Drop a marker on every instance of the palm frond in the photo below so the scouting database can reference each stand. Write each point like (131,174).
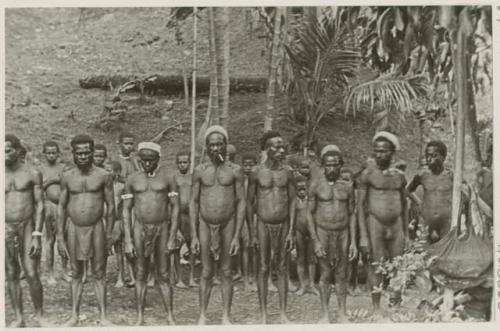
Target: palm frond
(389,91)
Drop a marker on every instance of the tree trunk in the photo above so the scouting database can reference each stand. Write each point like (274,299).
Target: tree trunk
(193,109)
(186,80)
(273,68)
(221,28)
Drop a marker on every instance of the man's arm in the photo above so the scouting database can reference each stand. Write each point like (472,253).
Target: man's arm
(412,187)
(251,193)
(351,204)
(311,208)
(362,192)
(109,200)
(240,201)
(173,196)
(194,204)
(61,217)
(38,199)
(291,202)
(128,203)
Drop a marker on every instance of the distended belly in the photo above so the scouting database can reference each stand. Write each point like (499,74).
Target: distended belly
(86,208)
(385,206)
(217,204)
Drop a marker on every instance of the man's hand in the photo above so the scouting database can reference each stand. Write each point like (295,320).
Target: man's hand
(36,246)
(62,248)
(353,252)
(319,250)
(195,245)
(364,248)
(235,247)
(290,242)
(170,245)
(129,250)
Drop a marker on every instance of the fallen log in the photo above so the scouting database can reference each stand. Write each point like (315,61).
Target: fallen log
(174,84)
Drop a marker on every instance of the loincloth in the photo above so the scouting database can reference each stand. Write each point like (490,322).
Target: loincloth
(14,238)
(245,235)
(83,239)
(215,239)
(335,244)
(275,232)
(149,234)
(387,232)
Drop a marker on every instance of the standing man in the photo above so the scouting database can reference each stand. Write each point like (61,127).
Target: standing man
(24,213)
(332,224)
(382,212)
(272,187)
(150,192)
(437,182)
(217,197)
(183,180)
(52,170)
(86,191)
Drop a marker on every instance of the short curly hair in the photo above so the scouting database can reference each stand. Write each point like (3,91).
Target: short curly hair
(265,138)
(440,146)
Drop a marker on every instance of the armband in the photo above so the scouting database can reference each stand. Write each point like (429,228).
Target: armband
(36,234)
(127,196)
(172,194)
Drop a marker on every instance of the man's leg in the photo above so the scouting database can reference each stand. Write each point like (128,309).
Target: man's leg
(117,236)
(325,288)
(76,277)
(263,271)
(227,235)
(32,271)
(50,240)
(12,273)
(141,264)
(98,264)
(377,252)
(207,271)
(311,264)
(395,247)
(341,274)
(282,270)
(163,272)
(186,232)
(301,261)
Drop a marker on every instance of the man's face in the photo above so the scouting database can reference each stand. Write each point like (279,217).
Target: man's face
(11,154)
(99,157)
(311,154)
(149,160)
(332,166)
(347,176)
(304,169)
(83,155)
(247,166)
(51,154)
(127,146)
(276,149)
(301,189)
(433,158)
(183,163)
(216,147)
(382,151)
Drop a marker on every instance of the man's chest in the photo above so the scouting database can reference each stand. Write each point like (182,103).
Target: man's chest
(21,181)
(82,184)
(220,176)
(154,184)
(272,178)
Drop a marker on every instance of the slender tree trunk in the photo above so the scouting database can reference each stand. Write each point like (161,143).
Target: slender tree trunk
(273,68)
(193,109)
(185,78)
(221,28)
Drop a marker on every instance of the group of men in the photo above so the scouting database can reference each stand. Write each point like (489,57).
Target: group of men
(223,210)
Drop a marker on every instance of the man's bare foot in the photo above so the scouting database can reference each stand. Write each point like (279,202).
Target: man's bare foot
(284,319)
(237,277)
(131,283)
(192,283)
(105,322)
(119,283)
(180,284)
(312,289)
(151,282)
(252,287)
(67,276)
(292,287)
(171,320)
(226,320)
(216,281)
(17,324)
(73,321)
(301,291)
(202,320)
(324,320)
(272,288)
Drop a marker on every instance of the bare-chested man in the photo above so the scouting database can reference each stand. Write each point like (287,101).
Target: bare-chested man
(183,179)
(52,170)
(272,186)
(150,192)
(437,182)
(382,212)
(24,213)
(217,196)
(86,191)
(332,223)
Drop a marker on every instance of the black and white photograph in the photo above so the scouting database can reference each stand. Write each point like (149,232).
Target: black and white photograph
(182,165)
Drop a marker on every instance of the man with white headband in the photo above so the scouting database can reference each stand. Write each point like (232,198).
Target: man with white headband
(332,225)
(151,192)
(271,188)
(382,212)
(217,197)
